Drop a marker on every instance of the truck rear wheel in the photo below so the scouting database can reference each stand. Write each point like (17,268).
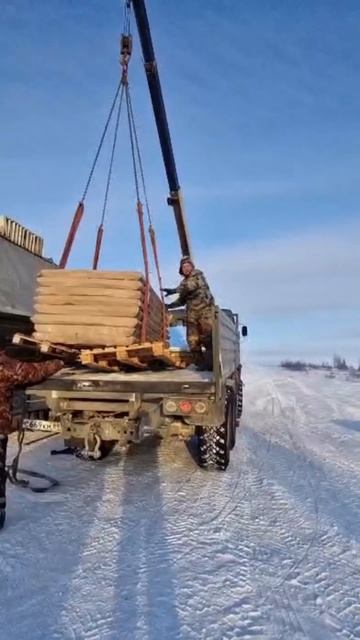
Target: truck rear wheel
(216,442)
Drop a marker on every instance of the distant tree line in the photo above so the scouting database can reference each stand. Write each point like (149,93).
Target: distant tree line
(339,364)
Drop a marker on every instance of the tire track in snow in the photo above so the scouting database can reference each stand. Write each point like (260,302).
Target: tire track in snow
(333,619)
(176,552)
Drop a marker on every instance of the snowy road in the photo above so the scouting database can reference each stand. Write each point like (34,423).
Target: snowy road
(151,548)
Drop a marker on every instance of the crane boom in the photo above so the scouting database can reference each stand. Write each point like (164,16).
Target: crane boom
(175,198)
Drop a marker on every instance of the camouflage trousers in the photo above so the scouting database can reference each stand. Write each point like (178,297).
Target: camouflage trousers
(3,450)
(199,324)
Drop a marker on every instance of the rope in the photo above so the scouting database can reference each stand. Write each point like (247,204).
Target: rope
(158,273)
(140,212)
(137,169)
(112,155)
(127,15)
(145,322)
(141,169)
(80,209)
(132,142)
(151,228)
(100,231)
(101,143)
(13,469)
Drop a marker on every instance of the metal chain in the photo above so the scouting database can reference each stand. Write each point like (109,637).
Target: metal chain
(112,156)
(136,147)
(132,142)
(101,142)
(127,15)
(138,153)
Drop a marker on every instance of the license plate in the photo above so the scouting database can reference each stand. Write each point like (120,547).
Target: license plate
(42,425)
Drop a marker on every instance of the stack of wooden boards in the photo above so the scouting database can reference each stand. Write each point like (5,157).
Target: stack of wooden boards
(83,308)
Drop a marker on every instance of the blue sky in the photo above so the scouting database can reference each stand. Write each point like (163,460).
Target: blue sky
(263,102)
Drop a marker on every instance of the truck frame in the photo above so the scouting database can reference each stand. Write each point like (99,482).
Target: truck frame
(96,410)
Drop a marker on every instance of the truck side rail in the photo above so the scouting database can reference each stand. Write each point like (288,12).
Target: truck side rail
(226,348)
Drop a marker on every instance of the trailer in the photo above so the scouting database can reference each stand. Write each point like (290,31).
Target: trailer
(21,259)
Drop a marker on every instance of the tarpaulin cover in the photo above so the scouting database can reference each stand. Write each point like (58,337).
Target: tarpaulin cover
(18,271)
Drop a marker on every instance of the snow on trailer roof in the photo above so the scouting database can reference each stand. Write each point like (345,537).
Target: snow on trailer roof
(183,375)
(21,236)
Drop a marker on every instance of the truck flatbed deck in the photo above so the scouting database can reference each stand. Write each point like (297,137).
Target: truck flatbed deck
(170,381)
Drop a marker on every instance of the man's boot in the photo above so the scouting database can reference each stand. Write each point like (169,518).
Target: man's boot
(3,449)
(208,360)
(197,357)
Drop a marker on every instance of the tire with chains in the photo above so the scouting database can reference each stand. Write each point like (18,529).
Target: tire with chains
(214,444)
(239,398)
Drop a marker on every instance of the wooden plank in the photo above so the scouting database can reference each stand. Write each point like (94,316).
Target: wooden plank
(116,355)
(181,358)
(103,357)
(21,339)
(114,317)
(123,358)
(90,285)
(112,310)
(87,274)
(86,336)
(133,298)
(89,320)
(73,294)
(141,351)
(57,349)
(100,351)
(161,352)
(43,346)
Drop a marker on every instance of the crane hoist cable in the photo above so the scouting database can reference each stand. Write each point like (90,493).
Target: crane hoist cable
(78,215)
(100,231)
(139,178)
(136,148)
(126,50)
(80,208)
(140,213)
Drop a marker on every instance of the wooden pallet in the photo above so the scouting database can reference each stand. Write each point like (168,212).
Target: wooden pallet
(180,357)
(106,357)
(137,356)
(56,350)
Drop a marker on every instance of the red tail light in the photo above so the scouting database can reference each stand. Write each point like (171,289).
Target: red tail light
(185,406)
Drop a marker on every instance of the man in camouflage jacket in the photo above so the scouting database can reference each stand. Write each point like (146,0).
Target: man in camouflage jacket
(15,373)
(194,293)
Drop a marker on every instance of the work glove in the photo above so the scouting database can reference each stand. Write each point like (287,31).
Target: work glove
(168,292)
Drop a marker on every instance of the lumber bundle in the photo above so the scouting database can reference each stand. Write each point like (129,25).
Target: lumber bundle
(95,308)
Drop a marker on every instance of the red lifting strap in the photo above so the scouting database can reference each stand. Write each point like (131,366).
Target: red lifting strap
(157,266)
(145,322)
(99,237)
(71,235)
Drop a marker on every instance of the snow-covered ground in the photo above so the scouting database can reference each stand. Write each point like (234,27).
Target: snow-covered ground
(150,547)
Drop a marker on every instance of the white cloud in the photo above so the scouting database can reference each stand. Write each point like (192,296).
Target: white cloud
(308,271)
(242,189)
